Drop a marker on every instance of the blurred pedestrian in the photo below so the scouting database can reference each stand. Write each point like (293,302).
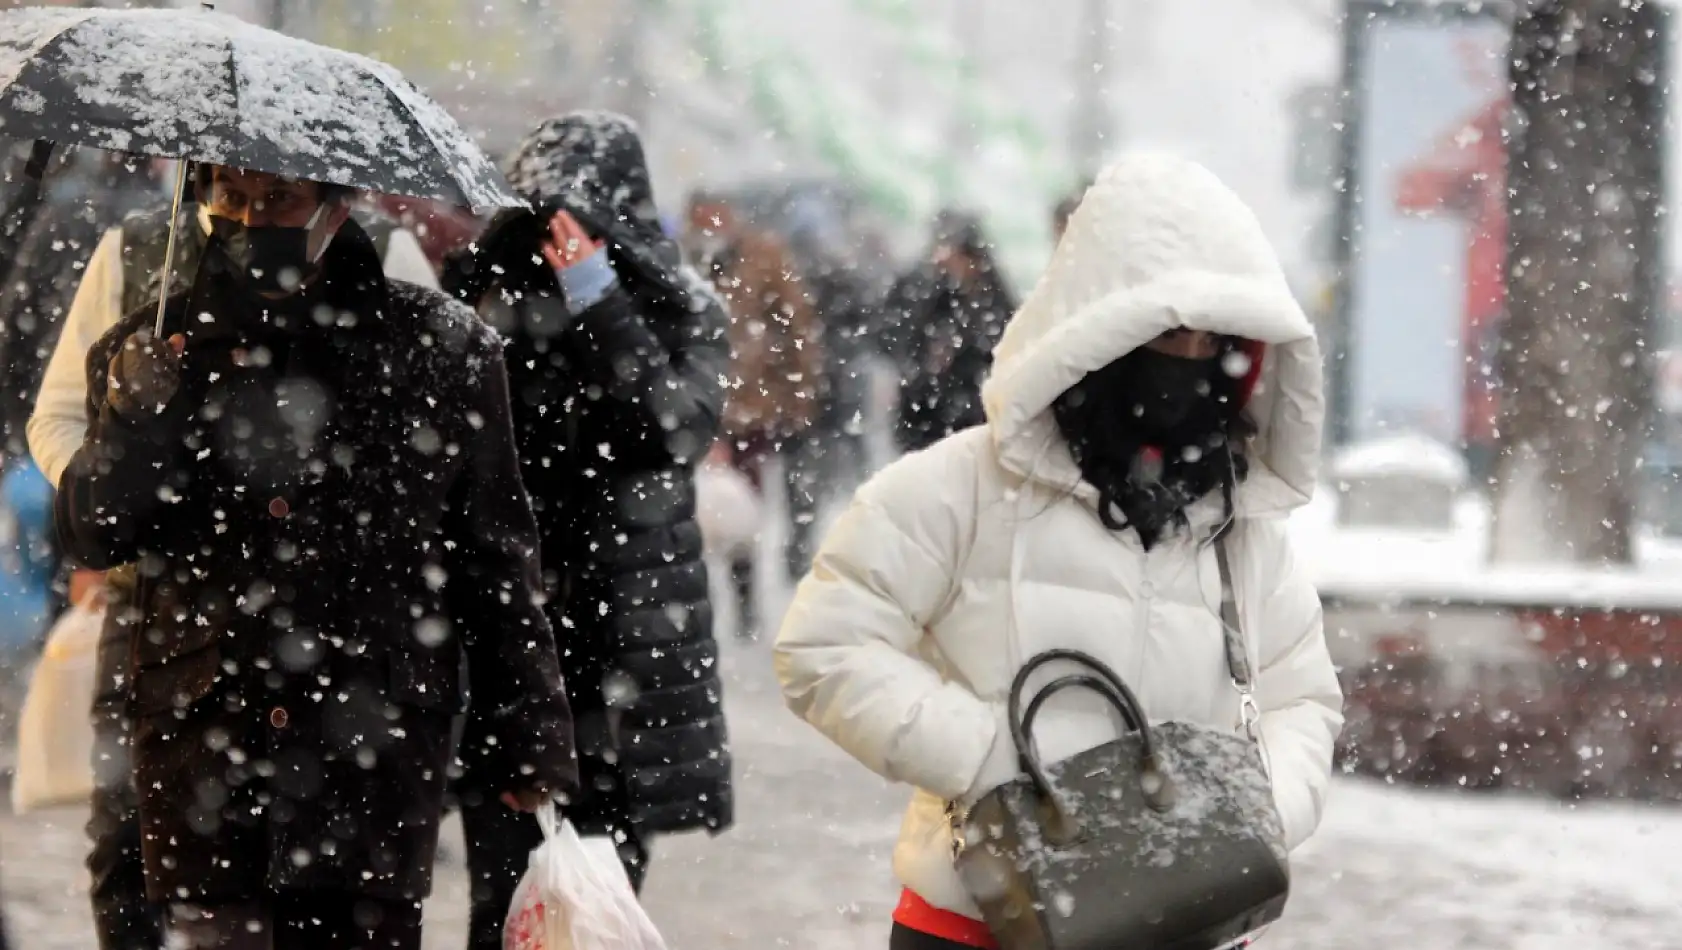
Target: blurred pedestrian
(123,275)
(942,321)
(844,307)
(315,569)
(616,353)
(776,374)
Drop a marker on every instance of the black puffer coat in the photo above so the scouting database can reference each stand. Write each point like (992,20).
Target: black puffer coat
(319,547)
(614,409)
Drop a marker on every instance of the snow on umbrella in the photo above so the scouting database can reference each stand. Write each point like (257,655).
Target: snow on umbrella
(212,88)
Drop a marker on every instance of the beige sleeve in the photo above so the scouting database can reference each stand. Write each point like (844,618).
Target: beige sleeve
(60,420)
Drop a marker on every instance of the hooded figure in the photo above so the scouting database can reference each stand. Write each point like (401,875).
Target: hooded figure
(615,363)
(1160,387)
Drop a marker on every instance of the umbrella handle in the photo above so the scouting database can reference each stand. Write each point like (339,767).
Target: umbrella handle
(169,247)
(39,154)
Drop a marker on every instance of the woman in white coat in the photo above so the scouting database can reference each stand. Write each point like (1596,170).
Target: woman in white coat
(1159,386)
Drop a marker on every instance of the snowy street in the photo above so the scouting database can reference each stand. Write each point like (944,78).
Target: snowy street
(807,864)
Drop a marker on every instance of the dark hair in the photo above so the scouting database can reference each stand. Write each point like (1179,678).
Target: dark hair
(1065,210)
(204,175)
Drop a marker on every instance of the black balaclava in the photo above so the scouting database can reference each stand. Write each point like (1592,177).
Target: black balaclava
(1155,433)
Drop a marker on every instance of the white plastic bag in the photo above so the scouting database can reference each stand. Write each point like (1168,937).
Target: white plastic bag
(576,896)
(728,508)
(55,731)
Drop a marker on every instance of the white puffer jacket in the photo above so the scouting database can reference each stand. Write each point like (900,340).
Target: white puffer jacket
(956,564)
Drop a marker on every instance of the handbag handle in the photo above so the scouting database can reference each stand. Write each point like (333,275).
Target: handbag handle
(1153,779)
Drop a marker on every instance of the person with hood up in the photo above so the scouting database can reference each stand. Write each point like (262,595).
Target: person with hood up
(1157,395)
(313,470)
(944,319)
(617,353)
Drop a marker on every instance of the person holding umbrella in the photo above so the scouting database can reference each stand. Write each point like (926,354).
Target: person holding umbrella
(313,469)
(120,277)
(297,670)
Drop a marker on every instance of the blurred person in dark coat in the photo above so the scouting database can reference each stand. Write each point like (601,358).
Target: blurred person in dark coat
(942,322)
(843,304)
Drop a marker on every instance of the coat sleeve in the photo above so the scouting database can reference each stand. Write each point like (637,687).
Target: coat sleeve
(60,420)
(117,483)
(847,653)
(1297,688)
(676,392)
(521,735)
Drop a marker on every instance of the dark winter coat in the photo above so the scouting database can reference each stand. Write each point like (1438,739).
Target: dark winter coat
(614,408)
(80,205)
(845,310)
(941,333)
(318,549)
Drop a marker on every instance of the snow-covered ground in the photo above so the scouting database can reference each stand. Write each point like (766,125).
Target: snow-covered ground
(807,865)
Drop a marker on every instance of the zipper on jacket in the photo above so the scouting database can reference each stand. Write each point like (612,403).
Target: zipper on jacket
(1142,613)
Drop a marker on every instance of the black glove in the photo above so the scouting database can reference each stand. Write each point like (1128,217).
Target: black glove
(143,380)
(511,229)
(505,247)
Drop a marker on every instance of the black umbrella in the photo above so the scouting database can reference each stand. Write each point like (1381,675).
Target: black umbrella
(213,88)
(207,87)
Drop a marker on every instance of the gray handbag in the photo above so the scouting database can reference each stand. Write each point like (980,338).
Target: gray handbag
(1163,839)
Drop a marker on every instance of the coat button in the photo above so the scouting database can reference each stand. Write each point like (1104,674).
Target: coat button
(278,507)
(278,717)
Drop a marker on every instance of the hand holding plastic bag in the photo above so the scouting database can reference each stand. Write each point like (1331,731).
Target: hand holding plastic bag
(576,897)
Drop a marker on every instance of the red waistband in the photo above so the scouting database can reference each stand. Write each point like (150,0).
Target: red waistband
(917,914)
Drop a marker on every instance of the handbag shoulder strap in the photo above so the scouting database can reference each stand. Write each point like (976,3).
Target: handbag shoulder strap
(1237,657)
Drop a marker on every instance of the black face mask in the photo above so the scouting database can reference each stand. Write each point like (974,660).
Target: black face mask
(1162,398)
(266,260)
(1178,415)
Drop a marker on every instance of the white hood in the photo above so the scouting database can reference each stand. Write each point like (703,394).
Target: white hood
(1158,243)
